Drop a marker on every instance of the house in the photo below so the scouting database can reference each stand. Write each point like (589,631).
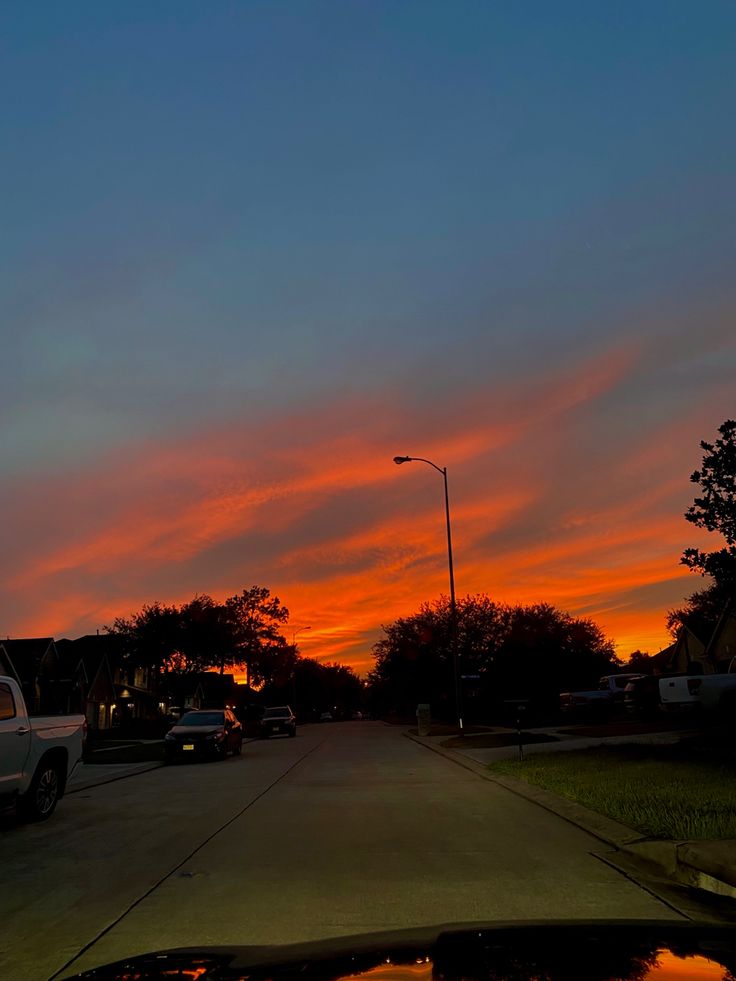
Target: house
(689,655)
(34,663)
(685,656)
(721,649)
(87,661)
(202,689)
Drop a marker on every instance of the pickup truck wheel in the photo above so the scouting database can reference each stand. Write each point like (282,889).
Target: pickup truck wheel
(41,798)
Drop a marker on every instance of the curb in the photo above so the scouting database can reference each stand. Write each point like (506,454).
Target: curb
(112,778)
(682,861)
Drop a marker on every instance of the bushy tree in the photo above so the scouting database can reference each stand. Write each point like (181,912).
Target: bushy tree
(205,635)
(715,508)
(701,611)
(206,638)
(508,652)
(150,637)
(314,687)
(638,662)
(256,617)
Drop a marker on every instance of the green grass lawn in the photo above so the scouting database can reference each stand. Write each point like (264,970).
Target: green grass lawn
(685,792)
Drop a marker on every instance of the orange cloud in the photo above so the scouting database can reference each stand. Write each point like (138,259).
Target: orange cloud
(157,513)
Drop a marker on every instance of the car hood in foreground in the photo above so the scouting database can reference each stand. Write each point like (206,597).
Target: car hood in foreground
(557,951)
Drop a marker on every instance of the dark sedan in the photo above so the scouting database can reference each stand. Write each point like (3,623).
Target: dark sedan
(208,733)
(278,720)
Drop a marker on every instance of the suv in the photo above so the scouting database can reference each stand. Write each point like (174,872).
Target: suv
(279,719)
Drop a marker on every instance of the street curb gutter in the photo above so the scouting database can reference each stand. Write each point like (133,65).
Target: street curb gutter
(688,863)
(113,778)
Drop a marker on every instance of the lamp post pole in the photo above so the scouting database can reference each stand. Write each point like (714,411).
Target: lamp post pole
(453,605)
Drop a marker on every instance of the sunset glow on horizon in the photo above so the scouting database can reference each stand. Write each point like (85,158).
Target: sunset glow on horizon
(320,515)
(252,254)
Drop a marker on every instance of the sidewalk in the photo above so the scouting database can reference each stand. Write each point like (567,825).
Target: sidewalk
(88,775)
(565,741)
(707,865)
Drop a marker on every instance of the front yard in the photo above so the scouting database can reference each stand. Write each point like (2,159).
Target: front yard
(685,792)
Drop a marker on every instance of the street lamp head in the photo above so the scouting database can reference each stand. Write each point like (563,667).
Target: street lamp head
(401,459)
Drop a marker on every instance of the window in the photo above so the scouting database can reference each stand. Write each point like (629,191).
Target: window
(7,705)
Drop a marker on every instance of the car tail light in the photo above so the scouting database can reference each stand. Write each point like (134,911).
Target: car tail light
(693,685)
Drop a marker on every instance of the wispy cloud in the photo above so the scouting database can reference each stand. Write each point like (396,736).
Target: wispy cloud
(346,540)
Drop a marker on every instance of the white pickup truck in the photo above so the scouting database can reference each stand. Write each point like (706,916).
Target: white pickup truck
(37,755)
(699,693)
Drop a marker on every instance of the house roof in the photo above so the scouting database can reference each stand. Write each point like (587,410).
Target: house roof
(90,649)
(26,655)
(722,634)
(663,658)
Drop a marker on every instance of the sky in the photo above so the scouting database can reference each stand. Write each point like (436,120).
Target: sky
(252,251)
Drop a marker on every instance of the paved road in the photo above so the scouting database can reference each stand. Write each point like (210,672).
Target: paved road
(349,828)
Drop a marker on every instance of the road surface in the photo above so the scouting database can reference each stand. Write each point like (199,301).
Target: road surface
(349,828)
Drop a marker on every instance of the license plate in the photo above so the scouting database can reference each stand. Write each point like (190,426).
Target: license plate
(188,746)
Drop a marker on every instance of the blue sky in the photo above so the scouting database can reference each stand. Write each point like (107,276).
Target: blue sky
(240,213)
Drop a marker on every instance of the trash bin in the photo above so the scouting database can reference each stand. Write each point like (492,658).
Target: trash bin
(423,719)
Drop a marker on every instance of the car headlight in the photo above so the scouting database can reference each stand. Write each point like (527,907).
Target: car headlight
(216,735)
(171,739)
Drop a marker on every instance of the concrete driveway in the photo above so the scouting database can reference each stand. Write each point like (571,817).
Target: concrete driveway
(349,828)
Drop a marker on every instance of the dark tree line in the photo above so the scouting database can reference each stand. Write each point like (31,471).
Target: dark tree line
(203,635)
(537,651)
(506,652)
(714,509)
(242,633)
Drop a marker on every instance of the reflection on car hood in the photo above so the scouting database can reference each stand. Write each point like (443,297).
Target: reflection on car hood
(555,951)
(185,731)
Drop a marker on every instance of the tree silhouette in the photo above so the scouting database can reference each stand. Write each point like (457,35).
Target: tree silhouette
(701,611)
(255,617)
(150,637)
(508,652)
(715,508)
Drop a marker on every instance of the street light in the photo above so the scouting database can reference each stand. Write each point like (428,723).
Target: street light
(293,672)
(297,631)
(398,460)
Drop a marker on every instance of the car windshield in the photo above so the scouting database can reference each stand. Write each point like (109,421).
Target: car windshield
(368,369)
(202,719)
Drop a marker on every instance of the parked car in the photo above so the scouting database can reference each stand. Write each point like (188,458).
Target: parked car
(204,733)
(37,754)
(357,716)
(599,702)
(278,720)
(326,717)
(641,697)
(711,695)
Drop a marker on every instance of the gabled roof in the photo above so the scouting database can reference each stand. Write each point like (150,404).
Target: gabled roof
(722,643)
(26,656)
(661,660)
(686,648)
(91,650)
